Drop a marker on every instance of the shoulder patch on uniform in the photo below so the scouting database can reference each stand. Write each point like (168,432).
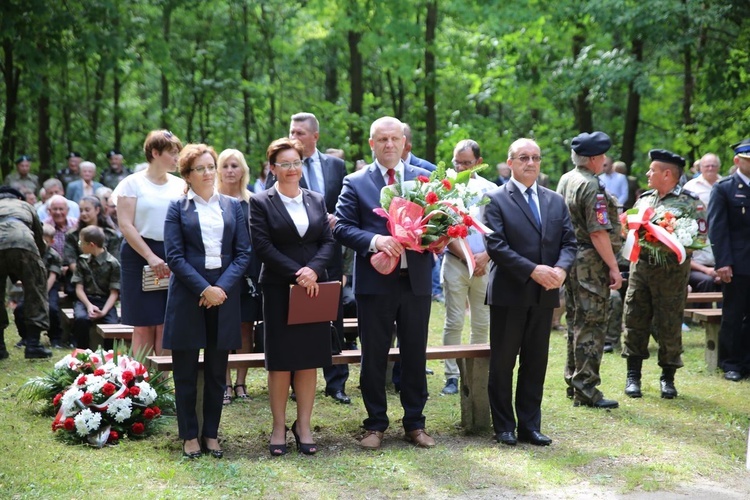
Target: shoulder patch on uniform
(601,210)
(691,194)
(650,191)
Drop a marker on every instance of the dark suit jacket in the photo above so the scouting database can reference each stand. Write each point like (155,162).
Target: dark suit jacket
(517,245)
(729,224)
(334,171)
(184,324)
(357,224)
(279,246)
(419,162)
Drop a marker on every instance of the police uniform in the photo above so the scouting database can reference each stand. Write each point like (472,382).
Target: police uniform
(657,291)
(587,290)
(21,247)
(98,275)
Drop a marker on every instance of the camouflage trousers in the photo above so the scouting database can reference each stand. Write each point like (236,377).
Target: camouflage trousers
(29,268)
(614,319)
(656,296)
(587,325)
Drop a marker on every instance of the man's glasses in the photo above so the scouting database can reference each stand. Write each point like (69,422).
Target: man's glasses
(469,163)
(289,164)
(527,159)
(209,168)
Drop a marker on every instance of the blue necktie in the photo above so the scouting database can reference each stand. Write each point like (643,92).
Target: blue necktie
(312,182)
(532,206)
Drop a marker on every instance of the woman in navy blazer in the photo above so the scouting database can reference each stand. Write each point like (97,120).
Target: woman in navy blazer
(207,246)
(292,237)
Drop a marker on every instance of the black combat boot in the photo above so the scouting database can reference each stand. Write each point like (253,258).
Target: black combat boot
(633,380)
(34,349)
(3,351)
(668,390)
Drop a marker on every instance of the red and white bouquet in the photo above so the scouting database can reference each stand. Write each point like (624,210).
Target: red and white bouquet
(662,231)
(426,213)
(101,397)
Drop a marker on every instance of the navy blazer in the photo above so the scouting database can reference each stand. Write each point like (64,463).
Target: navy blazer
(357,224)
(184,323)
(277,243)
(74,191)
(419,162)
(729,224)
(517,245)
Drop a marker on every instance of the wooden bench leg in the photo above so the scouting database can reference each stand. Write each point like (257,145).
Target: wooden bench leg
(712,346)
(475,402)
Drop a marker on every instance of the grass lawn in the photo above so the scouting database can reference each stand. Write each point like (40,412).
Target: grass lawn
(694,445)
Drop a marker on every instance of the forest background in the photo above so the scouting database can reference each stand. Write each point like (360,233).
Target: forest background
(92,75)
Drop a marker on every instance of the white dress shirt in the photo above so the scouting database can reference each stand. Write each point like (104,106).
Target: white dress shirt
(296,210)
(212,226)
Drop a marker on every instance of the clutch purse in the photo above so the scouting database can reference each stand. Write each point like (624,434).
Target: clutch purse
(151,282)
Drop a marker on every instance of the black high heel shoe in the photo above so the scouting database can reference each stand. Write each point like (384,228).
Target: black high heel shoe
(213,452)
(304,448)
(277,450)
(191,455)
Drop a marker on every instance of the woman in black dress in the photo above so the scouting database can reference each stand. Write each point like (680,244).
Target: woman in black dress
(291,236)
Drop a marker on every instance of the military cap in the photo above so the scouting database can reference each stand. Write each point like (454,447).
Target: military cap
(665,156)
(742,149)
(74,154)
(593,144)
(11,191)
(23,158)
(113,152)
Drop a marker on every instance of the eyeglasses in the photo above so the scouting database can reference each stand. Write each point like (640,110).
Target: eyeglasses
(290,164)
(527,159)
(209,168)
(469,163)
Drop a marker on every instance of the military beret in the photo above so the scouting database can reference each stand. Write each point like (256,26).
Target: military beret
(7,190)
(742,148)
(113,152)
(665,156)
(74,154)
(23,158)
(593,144)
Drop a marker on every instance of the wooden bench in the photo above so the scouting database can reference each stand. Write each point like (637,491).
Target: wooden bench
(473,361)
(711,320)
(704,297)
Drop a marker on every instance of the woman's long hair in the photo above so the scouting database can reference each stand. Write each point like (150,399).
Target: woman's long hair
(101,217)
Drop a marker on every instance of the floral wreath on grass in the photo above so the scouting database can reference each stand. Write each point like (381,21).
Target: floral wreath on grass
(662,231)
(426,213)
(101,397)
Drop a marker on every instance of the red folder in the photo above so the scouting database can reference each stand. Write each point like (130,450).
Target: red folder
(305,309)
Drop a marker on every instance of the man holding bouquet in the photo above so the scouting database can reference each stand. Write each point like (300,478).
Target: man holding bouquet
(402,296)
(658,279)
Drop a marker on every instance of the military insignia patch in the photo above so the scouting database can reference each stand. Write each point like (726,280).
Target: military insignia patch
(702,226)
(601,210)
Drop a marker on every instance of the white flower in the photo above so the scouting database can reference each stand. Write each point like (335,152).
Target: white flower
(120,409)
(94,383)
(683,237)
(451,173)
(69,400)
(147,394)
(87,421)
(67,362)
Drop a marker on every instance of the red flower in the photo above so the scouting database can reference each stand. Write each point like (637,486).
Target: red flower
(431,198)
(140,370)
(99,372)
(447,184)
(157,410)
(87,398)
(127,376)
(108,389)
(423,178)
(651,238)
(135,390)
(113,436)
(138,428)
(82,380)
(69,424)
(453,231)
(56,400)
(468,220)
(149,413)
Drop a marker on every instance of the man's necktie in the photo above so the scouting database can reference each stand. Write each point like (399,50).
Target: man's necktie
(532,206)
(312,182)
(391,176)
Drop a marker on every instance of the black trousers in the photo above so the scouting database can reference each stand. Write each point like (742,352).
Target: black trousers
(734,336)
(521,332)
(185,375)
(376,315)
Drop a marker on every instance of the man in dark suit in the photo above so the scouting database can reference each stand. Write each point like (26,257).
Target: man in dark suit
(729,232)
(532,248)
(408,157)
(402,296)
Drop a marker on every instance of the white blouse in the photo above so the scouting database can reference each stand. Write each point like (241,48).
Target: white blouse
(152,201)
(212,227)
(297,211)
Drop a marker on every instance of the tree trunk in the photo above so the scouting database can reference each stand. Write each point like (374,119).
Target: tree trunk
(12,79)
(687,103)
(430,88)
(357,95)
(44,144)
(584,119)
(116,91)
(632,111)
(166,24)
(247,108)
(101,78)
(332,75)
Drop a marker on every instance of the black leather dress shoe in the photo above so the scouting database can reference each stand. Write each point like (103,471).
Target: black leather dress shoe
(507,438)
(339,396)
(606,404)
(732,375)
(534,437)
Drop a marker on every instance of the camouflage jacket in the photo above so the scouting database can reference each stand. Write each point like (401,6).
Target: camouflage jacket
(98,274)
(20,226)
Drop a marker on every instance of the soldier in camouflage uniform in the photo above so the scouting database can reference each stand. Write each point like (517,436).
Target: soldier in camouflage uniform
(658,286)
(116,172)
(593,212)
(21,247)
(22,178)
(72,171)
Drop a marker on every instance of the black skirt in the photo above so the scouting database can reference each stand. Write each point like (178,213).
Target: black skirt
(140,308)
